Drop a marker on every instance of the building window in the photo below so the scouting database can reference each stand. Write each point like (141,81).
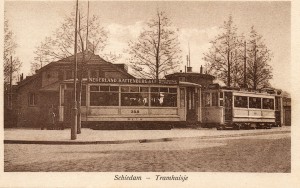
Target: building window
(32,99)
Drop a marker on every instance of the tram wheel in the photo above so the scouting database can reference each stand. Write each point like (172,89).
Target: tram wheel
(237,126)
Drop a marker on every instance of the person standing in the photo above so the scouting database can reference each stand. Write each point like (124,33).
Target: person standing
(51,117)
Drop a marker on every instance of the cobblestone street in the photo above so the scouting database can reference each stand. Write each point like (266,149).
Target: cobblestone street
(263,153)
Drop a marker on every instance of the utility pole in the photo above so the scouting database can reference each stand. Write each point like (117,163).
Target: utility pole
(10,83)
(74,109)
(245,70)
(189,60)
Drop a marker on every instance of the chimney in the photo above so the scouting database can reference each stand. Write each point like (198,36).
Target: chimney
(189,69)
(201,70)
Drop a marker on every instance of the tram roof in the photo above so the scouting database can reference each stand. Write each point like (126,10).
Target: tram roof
(138,81)
(189,84)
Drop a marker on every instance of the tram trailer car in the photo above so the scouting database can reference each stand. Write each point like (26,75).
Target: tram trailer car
(232,108)
(133,103)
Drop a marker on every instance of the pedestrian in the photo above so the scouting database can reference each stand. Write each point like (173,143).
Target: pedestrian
(51,117)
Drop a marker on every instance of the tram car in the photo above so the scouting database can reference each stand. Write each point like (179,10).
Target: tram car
(240,109)
(113,103)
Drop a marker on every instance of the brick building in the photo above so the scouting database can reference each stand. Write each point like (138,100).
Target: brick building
(38,92)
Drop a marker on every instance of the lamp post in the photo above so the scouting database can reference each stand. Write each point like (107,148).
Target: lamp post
(74,109)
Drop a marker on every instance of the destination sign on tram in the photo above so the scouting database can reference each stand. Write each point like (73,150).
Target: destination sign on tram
(132,81)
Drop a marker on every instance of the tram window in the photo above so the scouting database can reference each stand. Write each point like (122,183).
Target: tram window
(240,101)
(255,102)
(144,89)
(173,90)
(221,94)
(221,103)
(154,89)
(268,103)
(214,97)
(206,99)
(114,88)
(134,89)
(163,89)
(104,88)
(134,99)
(182,97)
(163,98)
(104,99)
(125,89)
(94,88)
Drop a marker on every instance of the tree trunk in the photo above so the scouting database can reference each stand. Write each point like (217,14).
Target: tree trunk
(228,74)
(255,70)
(158,48)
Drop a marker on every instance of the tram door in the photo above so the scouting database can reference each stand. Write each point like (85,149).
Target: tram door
(68,107)
(228,106)
(192,100)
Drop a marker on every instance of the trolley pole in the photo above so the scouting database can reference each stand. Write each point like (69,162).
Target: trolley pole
(74,109)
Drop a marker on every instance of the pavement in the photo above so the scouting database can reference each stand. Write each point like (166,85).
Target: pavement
(89,136)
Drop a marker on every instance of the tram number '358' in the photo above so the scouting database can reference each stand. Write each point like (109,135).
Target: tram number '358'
(135,111)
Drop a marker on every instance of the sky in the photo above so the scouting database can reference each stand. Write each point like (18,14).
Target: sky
(198,23)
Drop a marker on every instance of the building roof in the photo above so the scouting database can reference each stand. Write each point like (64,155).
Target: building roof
(90,59)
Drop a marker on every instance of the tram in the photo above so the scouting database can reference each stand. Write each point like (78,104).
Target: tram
(116,103)
(235,108)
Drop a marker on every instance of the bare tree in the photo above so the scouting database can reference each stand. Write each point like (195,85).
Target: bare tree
(11,65)
(224,56)
(61,44)
(259,72)
(156,51)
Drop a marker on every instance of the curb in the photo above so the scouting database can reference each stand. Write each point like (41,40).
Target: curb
(45,142)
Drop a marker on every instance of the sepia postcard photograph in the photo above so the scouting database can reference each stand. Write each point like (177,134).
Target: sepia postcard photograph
(150,94)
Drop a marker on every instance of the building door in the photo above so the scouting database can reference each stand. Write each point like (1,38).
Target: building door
(228,106)
(278,111)
(192,101)
(287,117)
